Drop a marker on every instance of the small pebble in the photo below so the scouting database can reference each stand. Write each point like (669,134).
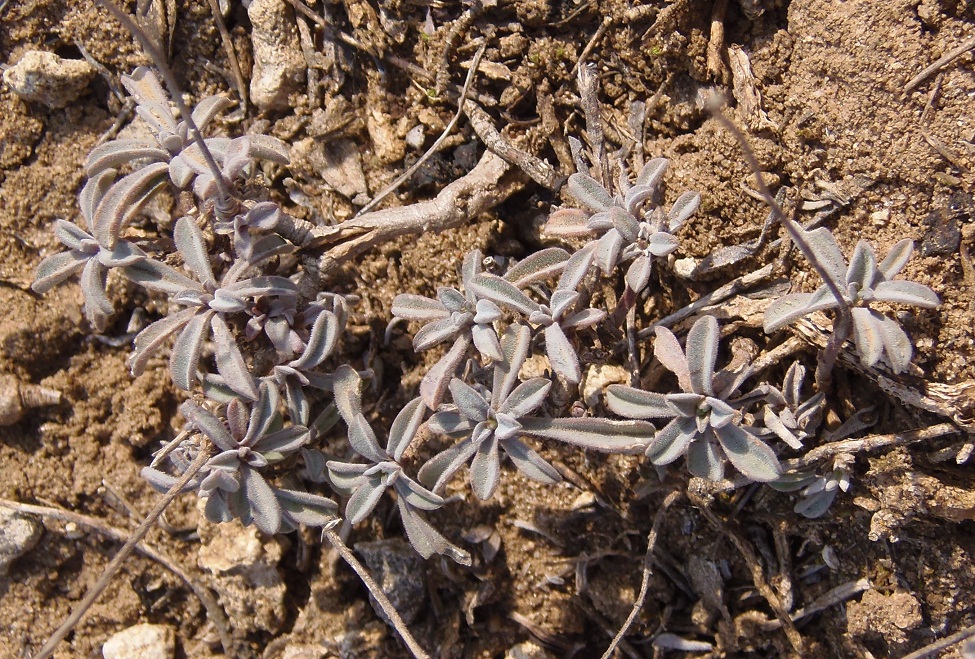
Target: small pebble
(44,77)
(18,535)
(141,641)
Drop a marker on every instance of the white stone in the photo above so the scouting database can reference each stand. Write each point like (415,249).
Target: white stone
(142,641)
(279,66)
(45,78)
(18,535)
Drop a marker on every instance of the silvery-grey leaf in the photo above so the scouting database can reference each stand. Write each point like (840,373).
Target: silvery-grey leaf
(593,433)
(71,235)
(600,222)
(208,108)
(486,341)
(217,509)
(749,455)
(468,401)
(265,147)
(471,265)
(264,285)
(226,301)
(652,173)
(321,342)
(906,292)
(236,158)
(98,308)
(57,268)
(485,472)
(500,291)
(487,312)
(773,423)
(815,506)
(627,225)
(702,353)
(92,195)
(160,277)
(435,332)
(672,440)
(124,255)
(576,267)
(897,345)
(562,355)
(451,298)
(238,416)
(450,423)
(124,200)
(827,252)
(209,425)
(417,307)
(305,508)
(566,223)
(263,216)
(264,506)
(364,500)
(863,266)
(114,153)
(661,244)
(896,259)
(526,397)
(144,86)
(435,382)
(152,337)
(222,479)
(404,428)
(185,356)
(638,274)
(667,350)
(537,267)
(583,319)
(425,539)
(608,248)
(344,477)
(866,335)
(264,412)
(508,426)
(438,470)
(637,404)
(515,344)
(562,300)
(792,481)
(721,412)
(529,462)
(685,206)
(587,191)
(704,459)
(194,250)
(230,362)
(785,310)
(180,171)
(792,384)
(163,482)
(416,495)
(669,641)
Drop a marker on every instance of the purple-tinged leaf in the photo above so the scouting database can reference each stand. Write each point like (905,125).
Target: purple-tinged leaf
(57,268)
(627,225)
(404,428)
(652,173)
(637,404)
(124,200)
(526,398)
(668,352)
(268,285)
(238,416)
(417,307)
(305,508)
(638,274)
(468,401)
(152,337)
(529,462)
(124,255)
(425,539)
(114,153)
(502,292)
(537,267)
(485,471)
(749,455)
(906,292)
(598,434)
(157,276)
(608,249)
(672,441)
(193,248)
(897,345)
(209,425)
(661,244)
(566,223)
(562,301)
(436,332)
(896,259)
(185,356)
(704,458)
(487,312)
(583,319)
(785,310)
(438,470)
(265,147)
(93,193)
(322,341)
(345,477)
(515,344)
(365,499)
(702,353)
(562,355)
(163,482)
(452,299)
(486,341)
(416,495)
(450,423)
(435,382)
(827,252)
(867,336)
(264,505)
(577,267)
(685,206)
(774,423)
(263,414)
(208,108)
(863,266)
(98,308)
(588,192)
(230,362)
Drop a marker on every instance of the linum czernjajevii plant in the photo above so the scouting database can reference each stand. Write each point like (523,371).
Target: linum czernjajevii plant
(254,348)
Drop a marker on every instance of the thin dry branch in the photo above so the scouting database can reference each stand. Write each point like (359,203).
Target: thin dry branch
(939,64)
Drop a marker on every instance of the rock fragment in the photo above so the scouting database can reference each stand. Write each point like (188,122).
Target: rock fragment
(44,77)
(143,641)
(279,67)
(399,571)
(18,535)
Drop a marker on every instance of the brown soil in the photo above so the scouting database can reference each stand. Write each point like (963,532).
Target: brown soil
(831,75)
